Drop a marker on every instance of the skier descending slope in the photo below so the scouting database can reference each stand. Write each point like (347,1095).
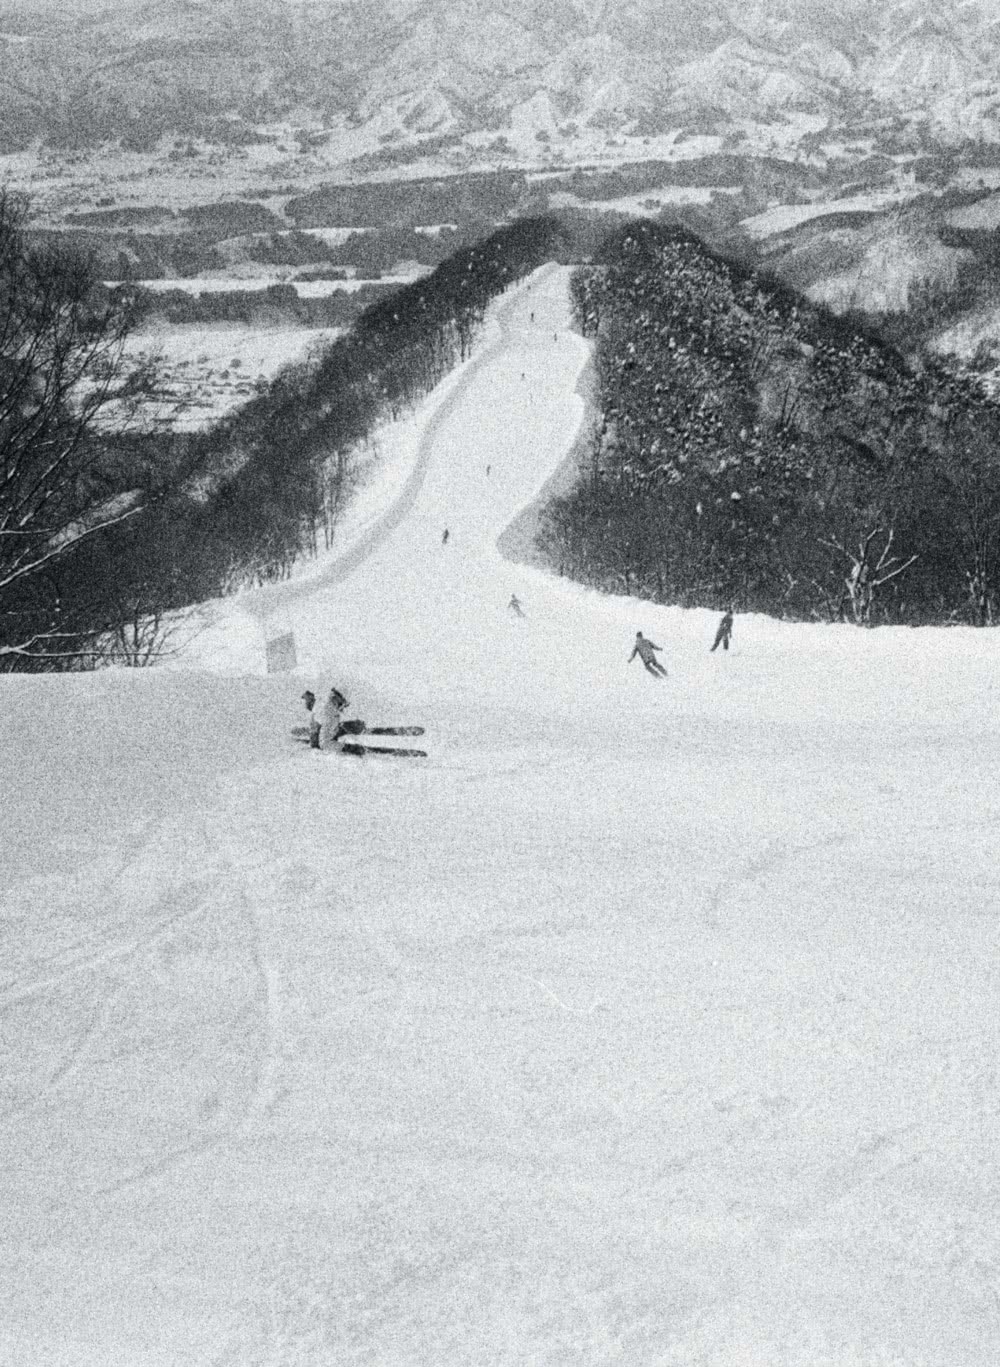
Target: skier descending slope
(725,631)
(644,648)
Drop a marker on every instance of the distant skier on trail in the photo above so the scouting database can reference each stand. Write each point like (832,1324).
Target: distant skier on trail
(444,537)
(725,630)
(514,606)
(644,649)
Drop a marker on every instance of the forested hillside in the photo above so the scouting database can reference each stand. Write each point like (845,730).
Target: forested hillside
(239,503)
(753,448)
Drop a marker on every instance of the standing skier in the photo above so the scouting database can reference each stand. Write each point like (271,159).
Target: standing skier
(644,649)
(514,605)
(315,720)
(444,537)
(725,630)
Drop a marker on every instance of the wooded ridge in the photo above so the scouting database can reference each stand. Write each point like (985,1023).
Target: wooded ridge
(753,448)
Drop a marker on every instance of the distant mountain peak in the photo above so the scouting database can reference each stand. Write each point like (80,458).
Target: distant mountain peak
(145,67)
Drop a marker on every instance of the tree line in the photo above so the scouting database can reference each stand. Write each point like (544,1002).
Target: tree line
(129,254)
(752,448)
(277,305)
(104,531)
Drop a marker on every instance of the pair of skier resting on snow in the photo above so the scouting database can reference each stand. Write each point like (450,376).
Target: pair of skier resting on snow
(325,726)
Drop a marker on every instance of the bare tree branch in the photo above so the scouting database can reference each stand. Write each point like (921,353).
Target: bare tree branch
(62,370)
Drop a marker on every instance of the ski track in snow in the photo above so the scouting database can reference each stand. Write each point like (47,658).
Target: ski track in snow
(114,965)
(639,1023)
(111,955)
(254,1090)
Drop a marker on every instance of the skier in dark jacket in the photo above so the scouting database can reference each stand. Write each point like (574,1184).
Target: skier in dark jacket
(725,631)
(644,649)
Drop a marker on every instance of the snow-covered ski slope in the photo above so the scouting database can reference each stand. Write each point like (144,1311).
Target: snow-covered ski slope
(643,1023)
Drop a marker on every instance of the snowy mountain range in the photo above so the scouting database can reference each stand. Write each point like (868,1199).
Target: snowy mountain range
(94,73)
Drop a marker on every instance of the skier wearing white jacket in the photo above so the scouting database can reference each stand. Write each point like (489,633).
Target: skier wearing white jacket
(315,720)
(332,711)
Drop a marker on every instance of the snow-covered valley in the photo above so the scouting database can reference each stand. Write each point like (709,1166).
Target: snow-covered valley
(646,1022)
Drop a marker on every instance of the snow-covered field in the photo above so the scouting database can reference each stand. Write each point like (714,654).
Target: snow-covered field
(783,217)
(893,267)
(977,330)
(984,214)
(643,1022)
(639,205)
(64,183)
(203,372)
(262,280)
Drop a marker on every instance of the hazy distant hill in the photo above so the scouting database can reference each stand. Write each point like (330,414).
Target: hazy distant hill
(90,71)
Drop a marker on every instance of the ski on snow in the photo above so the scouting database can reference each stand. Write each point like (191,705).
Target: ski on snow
(360,729)
(352,748)
(386,731)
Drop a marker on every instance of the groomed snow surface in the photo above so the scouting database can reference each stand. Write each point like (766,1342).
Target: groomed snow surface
(642,1023)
